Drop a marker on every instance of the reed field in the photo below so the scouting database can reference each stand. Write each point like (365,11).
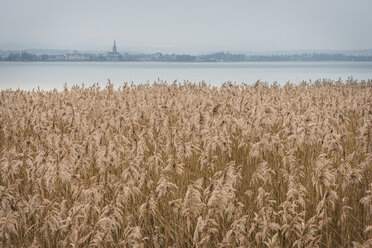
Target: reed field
(187,165)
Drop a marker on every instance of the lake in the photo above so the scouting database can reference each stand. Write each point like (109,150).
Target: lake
(50,75)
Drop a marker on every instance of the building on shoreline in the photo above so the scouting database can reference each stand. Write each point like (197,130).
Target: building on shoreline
(115,56)
(114,50)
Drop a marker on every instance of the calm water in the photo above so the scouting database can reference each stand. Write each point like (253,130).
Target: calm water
(50,75)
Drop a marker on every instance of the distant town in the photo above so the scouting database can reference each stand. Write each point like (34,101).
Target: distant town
(115,56)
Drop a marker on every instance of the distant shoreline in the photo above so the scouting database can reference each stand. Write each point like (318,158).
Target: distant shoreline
(193,62)
(159,57)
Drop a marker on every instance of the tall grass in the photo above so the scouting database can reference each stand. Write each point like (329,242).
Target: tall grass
(187,166)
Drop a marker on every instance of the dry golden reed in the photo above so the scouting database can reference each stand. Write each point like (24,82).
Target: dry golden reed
(187,165)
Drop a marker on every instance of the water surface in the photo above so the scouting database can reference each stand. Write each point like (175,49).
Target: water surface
(50,75)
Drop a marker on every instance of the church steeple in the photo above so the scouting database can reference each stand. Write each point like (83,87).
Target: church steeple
(114,49)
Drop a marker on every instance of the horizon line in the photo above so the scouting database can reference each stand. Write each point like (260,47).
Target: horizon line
(132,50)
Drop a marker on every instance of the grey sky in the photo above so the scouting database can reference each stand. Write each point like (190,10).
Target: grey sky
(186,26)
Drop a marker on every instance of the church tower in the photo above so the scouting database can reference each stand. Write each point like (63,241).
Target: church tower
(114,49)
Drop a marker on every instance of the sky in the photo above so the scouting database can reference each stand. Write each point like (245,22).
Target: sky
(192,26)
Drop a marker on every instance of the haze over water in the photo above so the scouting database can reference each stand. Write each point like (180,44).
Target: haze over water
(186,26)
(190,27)
(47,76)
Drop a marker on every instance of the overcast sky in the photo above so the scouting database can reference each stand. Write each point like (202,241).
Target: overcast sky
(186,26)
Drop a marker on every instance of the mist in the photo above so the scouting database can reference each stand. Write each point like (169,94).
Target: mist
(189,26)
